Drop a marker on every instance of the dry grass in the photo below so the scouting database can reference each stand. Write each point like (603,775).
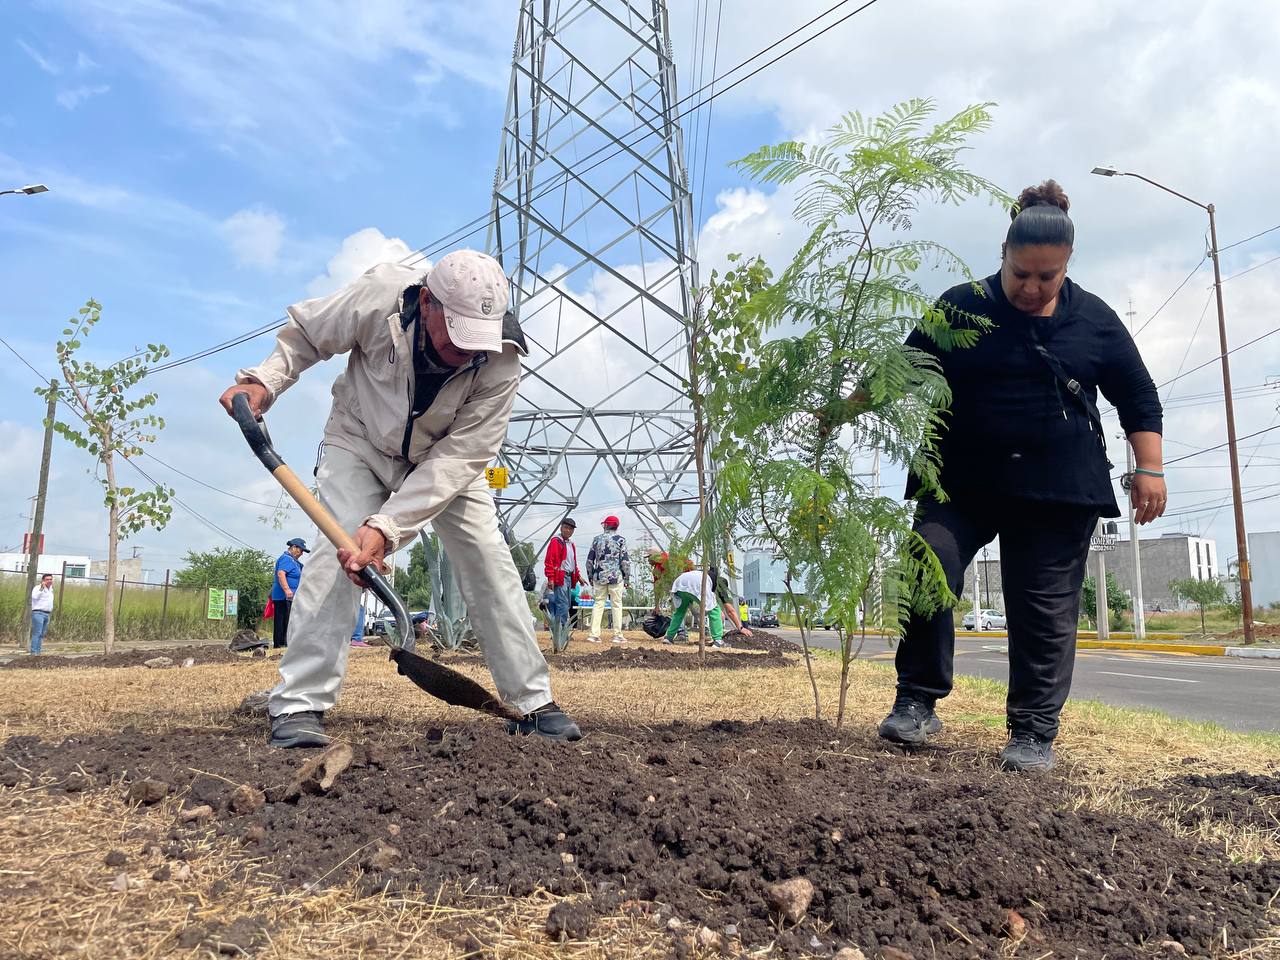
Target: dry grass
(55,889)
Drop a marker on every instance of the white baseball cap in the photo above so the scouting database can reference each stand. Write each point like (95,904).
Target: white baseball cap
(473,290)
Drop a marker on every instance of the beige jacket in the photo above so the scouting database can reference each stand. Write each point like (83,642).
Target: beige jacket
(450,444)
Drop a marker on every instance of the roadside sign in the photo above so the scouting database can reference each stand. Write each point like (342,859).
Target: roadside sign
(1102,543)
(217,605)
(497,477)
(232,607)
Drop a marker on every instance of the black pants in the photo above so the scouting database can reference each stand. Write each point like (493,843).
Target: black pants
(280,623)
(1044,548)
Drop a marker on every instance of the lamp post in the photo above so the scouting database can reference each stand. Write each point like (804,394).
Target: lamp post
(1242,542)
(28,190)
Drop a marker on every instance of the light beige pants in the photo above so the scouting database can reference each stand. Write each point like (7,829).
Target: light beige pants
(354,486)
(613,591)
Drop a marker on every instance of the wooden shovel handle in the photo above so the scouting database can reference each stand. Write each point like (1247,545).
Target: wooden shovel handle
(313,508)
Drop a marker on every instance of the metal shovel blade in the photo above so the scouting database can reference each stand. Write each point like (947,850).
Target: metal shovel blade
(449,685)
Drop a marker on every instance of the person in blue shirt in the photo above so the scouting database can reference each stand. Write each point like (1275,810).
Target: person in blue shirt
(288,573)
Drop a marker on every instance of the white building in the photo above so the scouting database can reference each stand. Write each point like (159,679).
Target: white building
(77,566)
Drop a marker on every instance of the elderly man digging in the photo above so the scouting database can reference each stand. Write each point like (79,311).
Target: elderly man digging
(418,413)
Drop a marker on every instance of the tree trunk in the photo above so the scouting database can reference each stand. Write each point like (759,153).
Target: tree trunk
(804,642)
(1203,630)
(113,541)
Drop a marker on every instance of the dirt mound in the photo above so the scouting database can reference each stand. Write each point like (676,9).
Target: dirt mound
(936,854)
(1268,632)
(644,658)
(762,640)
(201,653)
(1244,799)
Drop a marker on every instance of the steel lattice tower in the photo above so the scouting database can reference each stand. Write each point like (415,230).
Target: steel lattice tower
(591,218)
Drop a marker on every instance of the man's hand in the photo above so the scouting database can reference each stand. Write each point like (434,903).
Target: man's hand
(258,396)
(371,546)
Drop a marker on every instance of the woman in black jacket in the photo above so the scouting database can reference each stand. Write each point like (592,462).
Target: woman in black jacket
(1023,457)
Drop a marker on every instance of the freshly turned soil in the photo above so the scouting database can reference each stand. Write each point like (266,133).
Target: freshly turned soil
(646,658)
(925,853)
(1242,799)
(762,640)
(201,653)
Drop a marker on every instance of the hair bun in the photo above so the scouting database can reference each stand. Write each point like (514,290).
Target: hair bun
(1047,194)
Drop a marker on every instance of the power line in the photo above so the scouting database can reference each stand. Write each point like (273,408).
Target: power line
(1176,291)
(1261,233)
(481,222)
(1256,266)
(1247,436)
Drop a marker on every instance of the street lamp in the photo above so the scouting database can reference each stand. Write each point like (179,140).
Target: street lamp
(28,190)
(1242,543)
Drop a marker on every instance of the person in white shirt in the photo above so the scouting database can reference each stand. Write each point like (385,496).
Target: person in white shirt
(41,609)
(687,592)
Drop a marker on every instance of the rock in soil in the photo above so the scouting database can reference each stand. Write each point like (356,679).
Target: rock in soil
(116,858)
(245,799)
(790,899)
(200,814)
(382,856)
(570,921)
(893,953)
(850,953)
(935,847)
(1017,925)
(77,782)
(147,791)
(158,663)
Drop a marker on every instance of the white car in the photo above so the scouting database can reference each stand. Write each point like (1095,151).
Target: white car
(991,620)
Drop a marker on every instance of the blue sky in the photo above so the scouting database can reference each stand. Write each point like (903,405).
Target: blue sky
(211,162)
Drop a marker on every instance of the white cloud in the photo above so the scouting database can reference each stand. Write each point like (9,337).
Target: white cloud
(254,235)
(360,251)
(70,99)
(48,66)
(312,79)
(85,62)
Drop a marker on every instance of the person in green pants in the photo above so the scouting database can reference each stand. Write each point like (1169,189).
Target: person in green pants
(687,592)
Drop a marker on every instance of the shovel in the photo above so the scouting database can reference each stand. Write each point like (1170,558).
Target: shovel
(435,678)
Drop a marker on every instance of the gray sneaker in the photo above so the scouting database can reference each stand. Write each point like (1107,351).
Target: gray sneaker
(911,722)
(1027,753)
(305,728)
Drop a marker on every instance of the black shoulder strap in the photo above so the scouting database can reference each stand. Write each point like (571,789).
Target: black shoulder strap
(1071,383)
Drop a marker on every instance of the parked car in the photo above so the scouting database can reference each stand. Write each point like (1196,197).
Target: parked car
(991,620)
(762,618)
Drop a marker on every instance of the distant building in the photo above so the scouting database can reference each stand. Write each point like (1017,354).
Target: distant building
(77,566)
(1174,556)
(762,580)
(1264,565)
(127,568)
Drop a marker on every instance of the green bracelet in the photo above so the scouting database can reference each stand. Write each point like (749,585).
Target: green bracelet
(1148,473)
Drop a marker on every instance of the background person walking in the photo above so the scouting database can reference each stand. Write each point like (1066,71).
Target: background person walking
(41,610)
(288,574)
(1023,456)
(609,573)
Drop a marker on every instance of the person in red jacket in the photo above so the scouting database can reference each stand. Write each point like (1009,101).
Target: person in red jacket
(561,569)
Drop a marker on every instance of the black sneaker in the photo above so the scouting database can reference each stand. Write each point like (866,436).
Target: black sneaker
(1027,753)
(547,721)
(911,722)
(305,728)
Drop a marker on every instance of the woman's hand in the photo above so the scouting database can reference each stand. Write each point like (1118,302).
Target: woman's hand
(1149,495)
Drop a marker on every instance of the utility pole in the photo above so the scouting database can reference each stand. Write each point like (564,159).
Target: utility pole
(37,518)
(986,579)
(1139,611)
(977,609)
(1101,616)
(1237,498)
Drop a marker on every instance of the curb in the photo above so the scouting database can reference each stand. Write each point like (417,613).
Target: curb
(1195,649)
(1254,653)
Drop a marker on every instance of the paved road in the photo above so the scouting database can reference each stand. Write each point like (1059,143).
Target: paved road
(1239,694)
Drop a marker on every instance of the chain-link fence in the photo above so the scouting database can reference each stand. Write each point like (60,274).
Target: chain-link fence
(145,612)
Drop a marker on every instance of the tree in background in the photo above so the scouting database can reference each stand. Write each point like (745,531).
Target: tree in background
(1203,593)
(111,423)
(807,374)
(247,571)
(1117,602)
